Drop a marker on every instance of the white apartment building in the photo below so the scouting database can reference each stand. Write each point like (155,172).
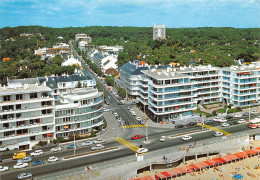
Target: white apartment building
(83,37)
(71,61)
(169,94)
(26,115)
(159,32)
(61,45)
(79,111)
(105,61)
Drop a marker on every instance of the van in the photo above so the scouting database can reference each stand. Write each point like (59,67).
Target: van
(19,155)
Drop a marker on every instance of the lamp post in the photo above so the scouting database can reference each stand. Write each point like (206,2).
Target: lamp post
(75,126)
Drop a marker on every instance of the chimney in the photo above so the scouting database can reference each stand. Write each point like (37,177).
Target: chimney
(4,88)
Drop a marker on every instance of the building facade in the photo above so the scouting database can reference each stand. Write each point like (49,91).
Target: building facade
(83,37)
(80,112)
(26,115)
(159,32)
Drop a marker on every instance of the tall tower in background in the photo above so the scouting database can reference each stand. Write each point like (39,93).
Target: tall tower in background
(159,32)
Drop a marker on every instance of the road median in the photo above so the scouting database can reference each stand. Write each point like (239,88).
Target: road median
(190,132)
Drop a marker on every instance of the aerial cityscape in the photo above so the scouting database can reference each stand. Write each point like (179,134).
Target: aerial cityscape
(129,90)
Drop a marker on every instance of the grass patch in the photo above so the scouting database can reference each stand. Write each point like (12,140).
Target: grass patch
(92,152)
(202,113)
(229,110)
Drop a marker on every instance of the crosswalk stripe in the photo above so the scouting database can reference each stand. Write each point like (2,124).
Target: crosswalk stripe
(127,144)
(215,129)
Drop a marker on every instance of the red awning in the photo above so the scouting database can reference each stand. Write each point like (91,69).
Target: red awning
(226,158)
(219,159)
(252,151)
(258,148)
(49,134)
(189,169)
(159,175)
(196,166)
(203,164)
(177,107)
(166,174)
(210,162)
(241,154)
(146,178)
(232,157)
(172,172)
(182,170)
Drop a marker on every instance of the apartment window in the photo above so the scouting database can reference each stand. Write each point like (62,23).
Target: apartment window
(33,95)
(7,98)
(19,96)
(18,106)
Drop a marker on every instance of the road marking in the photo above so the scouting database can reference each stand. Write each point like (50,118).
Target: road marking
(190,132)
(134,126)
(215,129)
(127,144)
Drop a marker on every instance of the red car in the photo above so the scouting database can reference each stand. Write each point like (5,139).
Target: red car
(136,137)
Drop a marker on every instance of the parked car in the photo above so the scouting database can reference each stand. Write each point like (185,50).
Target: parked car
(24,160)
(142,150)
(128,108)
(233,123)
(192,124)
(136,137)
(24,176)
(138,118)
(87,143)
(120,103)
(56,149)
(241,121)
(186,137)
(180,126)
(238,115)
(133,113)
(229,117)
(52,159)
(97,147)
(99,141)
(222,120)
(246,114)
(37,153)
(105,110)
(217,134)
(20,165)
(37,162)
(162,139)
(142,122)
(72,146)
(4,168)
(133,103)
(219,119)
(225,124)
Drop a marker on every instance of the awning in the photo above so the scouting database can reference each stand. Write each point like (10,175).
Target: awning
(159,175)
(196,166)
(49,134)
(252,151)
(210,162)
(226,158)
(220,159)
(182,170)
(189,169)
(241,154)
(203,164)
(172,172)
(66,127)
(232,157)
(177,107)
(144,178)
(166,174)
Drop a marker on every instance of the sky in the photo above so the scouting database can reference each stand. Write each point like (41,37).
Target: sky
(138,13)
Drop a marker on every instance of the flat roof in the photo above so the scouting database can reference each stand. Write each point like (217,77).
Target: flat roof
(15,89)
(164,74)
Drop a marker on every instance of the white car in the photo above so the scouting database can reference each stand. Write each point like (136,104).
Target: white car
(217,134)
(225,124)
(20,165)
(241,121)
(222,120)
(122,101)
(87,143)
(105,110)
(216,119)
(97,147)
(142,150)
(24,175)
(238,115)
(186,137)
(37,153)
(133,113)
(162,139)
(98,141)
(138,118)
(53,159)
(56,149)
(3,168)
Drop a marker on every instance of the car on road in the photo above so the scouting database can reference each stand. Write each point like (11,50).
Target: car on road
(162,139)
(4,168)
(52,159)
(56,149)
(128,108)
(233,123)
(225,124)
(246,114)
(72,146)
(105,110)
(37,153)
(142,122)
(20,165)
(138,118)
(238,115)
(122,101)
(24,160)
(219,119)
(142,150)
(241,121)
(37,162)
(136,137)
(108,97)
(133,103)
(255,112)
(186,138)
(179,126)
(133,113)
(209,122)
(97,147)
(99,141)
(192,124)
(114,113)
(24,176)
(87,143)
(217,134)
